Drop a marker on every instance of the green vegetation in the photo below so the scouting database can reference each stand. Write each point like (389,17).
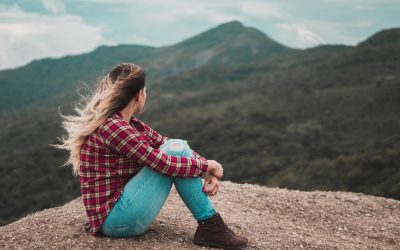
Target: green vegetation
(325,118)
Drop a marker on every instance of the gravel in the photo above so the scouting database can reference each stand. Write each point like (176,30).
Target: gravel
(271,218)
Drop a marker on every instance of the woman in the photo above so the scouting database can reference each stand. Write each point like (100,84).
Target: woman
(127,169)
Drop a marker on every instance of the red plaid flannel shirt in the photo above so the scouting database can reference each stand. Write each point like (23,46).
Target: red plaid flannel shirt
(114,153)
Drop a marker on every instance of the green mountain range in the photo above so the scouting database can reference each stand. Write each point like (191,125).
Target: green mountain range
(322,118)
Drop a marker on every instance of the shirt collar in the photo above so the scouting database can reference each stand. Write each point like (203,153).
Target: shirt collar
(119,114)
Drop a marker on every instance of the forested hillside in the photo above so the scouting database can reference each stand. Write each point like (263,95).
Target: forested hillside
(324,118)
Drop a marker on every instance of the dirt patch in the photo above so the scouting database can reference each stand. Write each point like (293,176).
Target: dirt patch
(270,218)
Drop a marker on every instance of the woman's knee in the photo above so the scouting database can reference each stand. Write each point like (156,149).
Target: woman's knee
(177,147)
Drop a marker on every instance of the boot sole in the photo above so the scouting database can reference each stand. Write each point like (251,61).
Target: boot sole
(211,244)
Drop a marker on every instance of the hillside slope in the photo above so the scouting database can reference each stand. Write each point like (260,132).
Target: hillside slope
(271,218)
(324,118)
(227,44)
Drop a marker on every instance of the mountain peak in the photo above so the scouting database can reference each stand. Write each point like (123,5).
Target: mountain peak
(231,25)
(383,37)
(228,43)
(228,33)
(271,218)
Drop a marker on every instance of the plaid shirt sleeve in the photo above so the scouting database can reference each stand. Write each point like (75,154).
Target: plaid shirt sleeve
(196,155)
(122,138)
(156,139)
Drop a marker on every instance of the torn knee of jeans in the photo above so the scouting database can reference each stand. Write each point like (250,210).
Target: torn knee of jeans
(176,146)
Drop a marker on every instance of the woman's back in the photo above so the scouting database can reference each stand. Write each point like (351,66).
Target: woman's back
(114,153)
(127,169)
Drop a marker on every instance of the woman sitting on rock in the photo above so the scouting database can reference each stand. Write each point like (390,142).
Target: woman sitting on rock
(127,169)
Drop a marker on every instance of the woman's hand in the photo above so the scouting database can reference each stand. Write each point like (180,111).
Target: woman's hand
(211,185)
(214,168)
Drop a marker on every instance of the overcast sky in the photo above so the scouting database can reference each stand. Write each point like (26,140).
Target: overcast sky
(32,29)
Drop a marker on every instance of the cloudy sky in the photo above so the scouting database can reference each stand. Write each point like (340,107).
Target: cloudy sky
(33,29)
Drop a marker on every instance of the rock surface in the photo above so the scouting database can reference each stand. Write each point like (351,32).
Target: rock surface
(271,218)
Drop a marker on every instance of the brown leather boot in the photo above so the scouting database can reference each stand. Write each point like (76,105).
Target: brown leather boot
(213,232)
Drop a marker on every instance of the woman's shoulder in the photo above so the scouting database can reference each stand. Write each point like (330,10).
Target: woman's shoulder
(117,116)
(116,123)
(113,121)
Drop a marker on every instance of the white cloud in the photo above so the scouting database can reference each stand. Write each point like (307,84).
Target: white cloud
(174,15)
(363,7)
(303,34)
(364,24)
(141,40)
(368,3)
(173,11)
(309,33)
(263,10)
(164,3)
(26,36)
(349,40)
(54,6)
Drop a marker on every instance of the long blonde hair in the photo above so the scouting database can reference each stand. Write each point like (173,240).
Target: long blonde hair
(113,92)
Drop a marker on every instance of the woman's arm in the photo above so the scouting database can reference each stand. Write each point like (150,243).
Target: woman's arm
(156,138)
(121,137)
(196,155)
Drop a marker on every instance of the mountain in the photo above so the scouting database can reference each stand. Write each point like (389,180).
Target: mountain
(375,53)
(45,78)
(227,44)
(383,38)
(230,43)
(270,218)
(322,118)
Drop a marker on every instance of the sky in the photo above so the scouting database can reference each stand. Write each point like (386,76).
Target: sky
(35,29)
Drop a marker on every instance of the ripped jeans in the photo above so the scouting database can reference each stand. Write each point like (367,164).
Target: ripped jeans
(146,193)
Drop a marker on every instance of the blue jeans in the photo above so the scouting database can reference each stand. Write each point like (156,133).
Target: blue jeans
(146,193)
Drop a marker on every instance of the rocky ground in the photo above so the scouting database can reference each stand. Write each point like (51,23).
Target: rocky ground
(270,218)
